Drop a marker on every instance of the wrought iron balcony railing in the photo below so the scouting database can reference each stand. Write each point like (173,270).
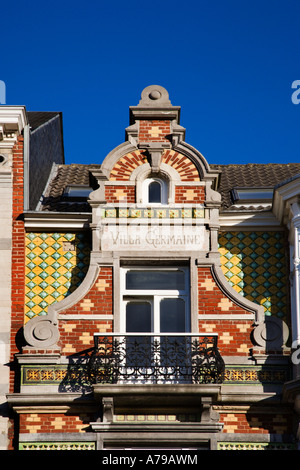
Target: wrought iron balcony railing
(160,358)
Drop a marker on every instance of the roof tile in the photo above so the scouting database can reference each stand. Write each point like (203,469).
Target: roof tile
(232,176)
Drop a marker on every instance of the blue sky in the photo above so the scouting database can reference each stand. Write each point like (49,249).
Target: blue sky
(229,64)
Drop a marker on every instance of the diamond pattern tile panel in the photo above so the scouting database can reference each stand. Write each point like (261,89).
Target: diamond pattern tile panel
(56,264)
(255,264)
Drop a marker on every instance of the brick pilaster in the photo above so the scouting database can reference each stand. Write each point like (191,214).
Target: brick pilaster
(18,248)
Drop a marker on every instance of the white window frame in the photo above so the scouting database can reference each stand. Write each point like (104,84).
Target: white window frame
(164,191)
(154,297)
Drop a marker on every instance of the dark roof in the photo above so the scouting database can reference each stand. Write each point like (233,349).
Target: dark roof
(68,175)
(38,118)
(231,176)
(252,175)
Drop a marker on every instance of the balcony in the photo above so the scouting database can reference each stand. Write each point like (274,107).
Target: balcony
(178,358)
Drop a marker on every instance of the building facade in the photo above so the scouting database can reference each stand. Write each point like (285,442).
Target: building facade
(154,297)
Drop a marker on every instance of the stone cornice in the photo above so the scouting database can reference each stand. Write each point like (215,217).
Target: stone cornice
(251,220)
(57,220)
(284,196)
(52,402)
(13,119)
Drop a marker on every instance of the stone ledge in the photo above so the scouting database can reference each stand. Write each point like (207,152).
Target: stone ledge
(131,428)
(193,390)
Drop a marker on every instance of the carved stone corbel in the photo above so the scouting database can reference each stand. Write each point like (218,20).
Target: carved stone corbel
(98,196)
(213,198)
(108,409)
(155,150)
(208,415)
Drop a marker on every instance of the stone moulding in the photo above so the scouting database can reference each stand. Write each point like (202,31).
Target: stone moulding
(197,158)
(42,331)
(115,154)
(233,295)
(270,333)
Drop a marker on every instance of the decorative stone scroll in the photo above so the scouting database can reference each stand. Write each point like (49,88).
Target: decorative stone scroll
(272,334)
(41,332)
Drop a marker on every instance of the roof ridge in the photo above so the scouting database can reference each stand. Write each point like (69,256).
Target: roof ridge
(254,164)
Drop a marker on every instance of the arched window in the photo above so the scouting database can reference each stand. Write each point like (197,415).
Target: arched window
(155,191)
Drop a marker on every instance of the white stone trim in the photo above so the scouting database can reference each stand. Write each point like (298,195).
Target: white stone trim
(264,220)
(295,274)
(62,220)
(226,316)
(13,119)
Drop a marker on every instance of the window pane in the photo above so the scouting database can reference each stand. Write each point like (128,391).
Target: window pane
(138,348)
(154,192)
(172,315)
(138,317)
(253,194)
(164,280)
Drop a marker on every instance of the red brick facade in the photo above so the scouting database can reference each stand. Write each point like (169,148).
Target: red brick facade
(154,131)
(126,164)
(234,335)
(256,423)
(77,335)
(189,194)
(54,423)
(183,165)
(253,423)
(90,310)
(120,194)
(18,250)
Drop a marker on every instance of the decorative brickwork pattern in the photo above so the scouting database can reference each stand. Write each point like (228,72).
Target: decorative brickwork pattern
(78,335)
(258,423)
(18,250)
(97,300)
(183,165)
(189,194)
(234,335)
(56,264)
(117,194)
(34,423)
(126,164)
(255,264)
(154,131)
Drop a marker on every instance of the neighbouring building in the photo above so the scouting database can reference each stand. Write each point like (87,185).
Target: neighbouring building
(148,301)
(23,136)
